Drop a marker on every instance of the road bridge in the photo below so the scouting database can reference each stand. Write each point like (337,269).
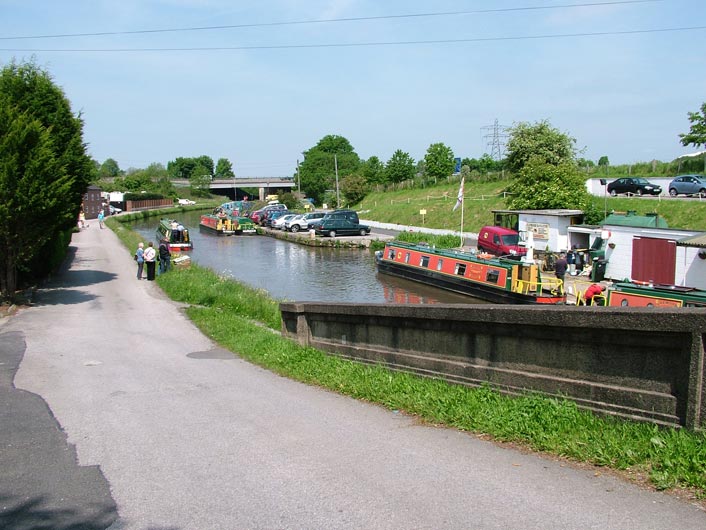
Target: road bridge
(234,187)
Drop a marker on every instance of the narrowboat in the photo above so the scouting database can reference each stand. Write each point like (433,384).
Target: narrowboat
(490,278)
(645,294)
(225,221)
(175,233)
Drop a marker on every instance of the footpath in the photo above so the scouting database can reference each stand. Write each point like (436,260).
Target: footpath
(116,412)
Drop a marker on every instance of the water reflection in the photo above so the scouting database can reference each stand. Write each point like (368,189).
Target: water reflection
(300,273)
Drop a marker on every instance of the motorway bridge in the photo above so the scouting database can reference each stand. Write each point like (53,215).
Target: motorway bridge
(234,187)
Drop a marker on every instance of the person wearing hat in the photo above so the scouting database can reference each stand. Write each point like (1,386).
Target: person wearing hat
(165,256)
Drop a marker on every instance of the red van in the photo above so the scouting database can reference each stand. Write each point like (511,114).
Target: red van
(500,241)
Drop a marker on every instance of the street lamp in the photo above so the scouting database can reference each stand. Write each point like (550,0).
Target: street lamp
(605,198)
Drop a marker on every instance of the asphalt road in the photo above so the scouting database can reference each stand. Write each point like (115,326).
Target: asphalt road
(117,413)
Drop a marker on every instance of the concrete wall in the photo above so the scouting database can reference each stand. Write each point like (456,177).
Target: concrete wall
(645,364)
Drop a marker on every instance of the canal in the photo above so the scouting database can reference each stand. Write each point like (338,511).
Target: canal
(288,271)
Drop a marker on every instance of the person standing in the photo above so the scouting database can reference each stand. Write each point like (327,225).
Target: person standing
(571,260)
(140,259)
(101,216)
(165,256)
(560,267)
(150,257)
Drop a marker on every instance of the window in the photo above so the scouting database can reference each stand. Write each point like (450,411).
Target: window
(391,254)
(406,257)
(439,264)
(492,276)
(460,269)
(424,262)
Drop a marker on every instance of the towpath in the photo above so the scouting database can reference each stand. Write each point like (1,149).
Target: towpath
(118,413)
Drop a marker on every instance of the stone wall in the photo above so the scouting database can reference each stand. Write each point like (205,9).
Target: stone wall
(645,364)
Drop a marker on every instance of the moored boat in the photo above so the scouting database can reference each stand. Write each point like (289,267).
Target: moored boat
(176,235)
(223,222)
(500,280)
(644,294)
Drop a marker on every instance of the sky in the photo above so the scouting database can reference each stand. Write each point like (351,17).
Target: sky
(620,77)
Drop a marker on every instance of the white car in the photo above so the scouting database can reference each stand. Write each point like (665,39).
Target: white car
(278,224)
(186,202)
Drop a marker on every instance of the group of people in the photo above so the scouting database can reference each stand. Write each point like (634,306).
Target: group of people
(149,257)
(593,295)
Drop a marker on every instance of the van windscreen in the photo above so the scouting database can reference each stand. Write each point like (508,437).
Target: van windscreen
(511,239)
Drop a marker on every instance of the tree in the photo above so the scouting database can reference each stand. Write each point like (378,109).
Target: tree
(200,180)
(44,171)
(541,185)
(538,140)
(354,188)
(439,161)
(400,167)
(603,161)
(109,169)
(318,169)
(373,170)
(181,168)
(224,169)
(697,132)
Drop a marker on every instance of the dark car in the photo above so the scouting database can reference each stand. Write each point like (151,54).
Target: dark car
(350,215)
(340,227)
(688,185)
(635,186)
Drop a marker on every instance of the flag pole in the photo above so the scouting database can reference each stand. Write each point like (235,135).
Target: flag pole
(462,199)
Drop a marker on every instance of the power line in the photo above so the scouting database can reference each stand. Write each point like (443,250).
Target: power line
(356,44)
(330,20)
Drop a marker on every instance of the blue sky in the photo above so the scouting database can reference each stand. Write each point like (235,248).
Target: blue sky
(621,95)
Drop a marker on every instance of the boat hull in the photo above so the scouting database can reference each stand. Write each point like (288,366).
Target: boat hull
(461,273)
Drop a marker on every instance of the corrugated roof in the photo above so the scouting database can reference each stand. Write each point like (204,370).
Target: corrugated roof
(693,241)
(632,219)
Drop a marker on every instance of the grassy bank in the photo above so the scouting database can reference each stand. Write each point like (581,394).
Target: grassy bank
(404,206)
(246,321)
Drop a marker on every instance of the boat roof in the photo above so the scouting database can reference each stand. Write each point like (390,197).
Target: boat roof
(456,254)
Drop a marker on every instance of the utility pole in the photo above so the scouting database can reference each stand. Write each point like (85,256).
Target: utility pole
(338,195)
(299,180)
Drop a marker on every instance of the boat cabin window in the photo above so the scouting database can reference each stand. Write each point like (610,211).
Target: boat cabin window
(460,269)
(492,276)
(406,257)
(439,264)
(391,254)
(424,262)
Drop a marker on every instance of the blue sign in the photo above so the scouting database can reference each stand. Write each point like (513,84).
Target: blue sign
(457,166)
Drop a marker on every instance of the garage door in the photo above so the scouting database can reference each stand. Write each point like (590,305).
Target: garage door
(654,259)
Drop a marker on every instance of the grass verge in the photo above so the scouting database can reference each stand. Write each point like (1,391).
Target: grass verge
(245,321)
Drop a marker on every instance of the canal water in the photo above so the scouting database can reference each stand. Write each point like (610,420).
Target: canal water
(299,273)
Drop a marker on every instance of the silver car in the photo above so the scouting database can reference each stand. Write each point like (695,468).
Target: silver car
(688,185)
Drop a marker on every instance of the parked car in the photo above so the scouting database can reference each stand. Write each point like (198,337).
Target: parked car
(301,222)
(350,215)
(500,241)
(114,209)
(271,216)
(688,185)
(257,215)
(340,227)
(278,222)
(186,202)
(636,186)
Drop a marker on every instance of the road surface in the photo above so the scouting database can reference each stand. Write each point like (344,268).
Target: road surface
(118,413)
